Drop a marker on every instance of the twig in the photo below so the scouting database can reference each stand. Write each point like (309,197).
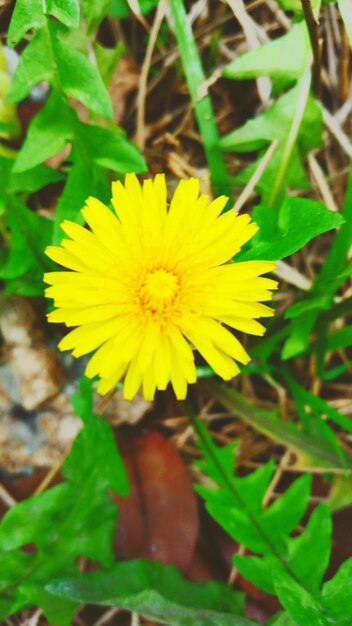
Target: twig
(322,185)
(313,29)
(140,130)
(336,130)
(247,191)
(6,496)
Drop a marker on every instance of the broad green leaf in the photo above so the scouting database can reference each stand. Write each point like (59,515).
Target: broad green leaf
(31,14)
(337,595)
(32,180)
(276,123)
(111,149)
(121,9)
(35,65)
(94,12)
(284,58)
(48,133)
(66,11)
(79,186)
(74,519)
(301,605)
(79,78)
(157,592)
(107,59)
(26,262)
(299,221)
(325,283)
(308,553)
(282,619)
(27,15)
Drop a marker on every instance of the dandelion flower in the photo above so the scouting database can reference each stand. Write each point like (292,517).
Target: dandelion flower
(149,284)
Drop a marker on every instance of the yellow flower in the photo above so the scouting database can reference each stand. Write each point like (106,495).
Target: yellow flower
(151,283)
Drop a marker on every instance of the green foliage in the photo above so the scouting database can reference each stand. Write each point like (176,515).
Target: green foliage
(290,566)
(282,233)
(74,519)
(201,101)
(157,592)
(95,147)
(276,123)
(284,59)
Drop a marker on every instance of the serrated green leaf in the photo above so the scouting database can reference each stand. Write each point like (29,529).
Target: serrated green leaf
(27,14)
(337,595)
(66,11)
(30,234)
(48,133)
(79,186)
(34,179)
(31,14)
(274,123)
(295,111)
(303,607)
(79,78)
(74,519)
(299,221)
(121,9)
(310,449)
(94,12)
(309,553)
(157,592)
(284,58)
(107,59)
(111,149)
(35,65)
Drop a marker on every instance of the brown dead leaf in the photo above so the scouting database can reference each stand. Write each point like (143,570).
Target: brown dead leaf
(159,520)
(125,80)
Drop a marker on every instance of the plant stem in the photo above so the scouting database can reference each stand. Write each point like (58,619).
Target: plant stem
(304,88)
(313,29)
(200,98)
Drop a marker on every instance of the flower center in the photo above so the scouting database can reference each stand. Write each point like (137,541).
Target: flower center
(159,290)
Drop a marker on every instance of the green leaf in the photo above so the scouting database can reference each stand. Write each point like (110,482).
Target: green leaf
(32,180)
(275,123)
(79,78)
(157,592)
(48,133)
(121,9)
(66,11)
(285,58)
(35,65)
(27,15)
(295,122)
(30,234)
(107,59)
(74,519)
(79,186)
(326,282)
(337,595)
(94,12)
(31,14)
(110,149)
(299,221)
(311,449)
(303,607)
